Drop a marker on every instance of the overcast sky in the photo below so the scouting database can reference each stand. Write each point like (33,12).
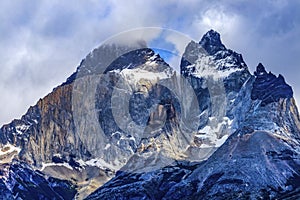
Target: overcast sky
(42,42)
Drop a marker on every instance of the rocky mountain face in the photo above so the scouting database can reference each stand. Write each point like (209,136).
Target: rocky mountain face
(125,125)
(217,75)
(260,158)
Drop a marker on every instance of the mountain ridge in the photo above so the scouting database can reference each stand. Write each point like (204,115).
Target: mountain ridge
(86,130)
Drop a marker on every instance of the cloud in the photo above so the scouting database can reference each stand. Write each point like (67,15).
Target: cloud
(42,42)
(134,36)
(219,19)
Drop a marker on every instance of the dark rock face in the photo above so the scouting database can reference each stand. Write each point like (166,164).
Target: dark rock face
(244,168)
(152,185)
(269,88)
(221,60)
(10,133)
(139,103)
(217,75)
(211,42)
(20,181)
(133,59)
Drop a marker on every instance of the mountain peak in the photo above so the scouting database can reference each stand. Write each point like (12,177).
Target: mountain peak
(269,88)
(211,42)
(260,70)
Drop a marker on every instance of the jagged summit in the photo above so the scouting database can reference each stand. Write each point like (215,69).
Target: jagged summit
(211,42)
(105,55)
(102,57)
(269,88)
(135,58)
(210,57)
(260,70)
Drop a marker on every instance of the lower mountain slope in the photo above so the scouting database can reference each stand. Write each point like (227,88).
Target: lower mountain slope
(19,181)
(249,165)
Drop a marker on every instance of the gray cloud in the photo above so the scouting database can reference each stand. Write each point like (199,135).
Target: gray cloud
(42,42)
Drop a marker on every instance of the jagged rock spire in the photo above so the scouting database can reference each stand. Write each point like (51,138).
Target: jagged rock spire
(260,70)
(269,88)
(211,42)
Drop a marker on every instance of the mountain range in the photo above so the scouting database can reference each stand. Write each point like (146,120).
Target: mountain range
(126,125)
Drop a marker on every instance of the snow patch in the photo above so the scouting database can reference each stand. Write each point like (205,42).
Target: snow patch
(8,152)
(81,162)
(107,146)
(8,148)
(210,133)
(221,141)
(102,164)
(135,75)
(21,129)
(208,66)
(44,165)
